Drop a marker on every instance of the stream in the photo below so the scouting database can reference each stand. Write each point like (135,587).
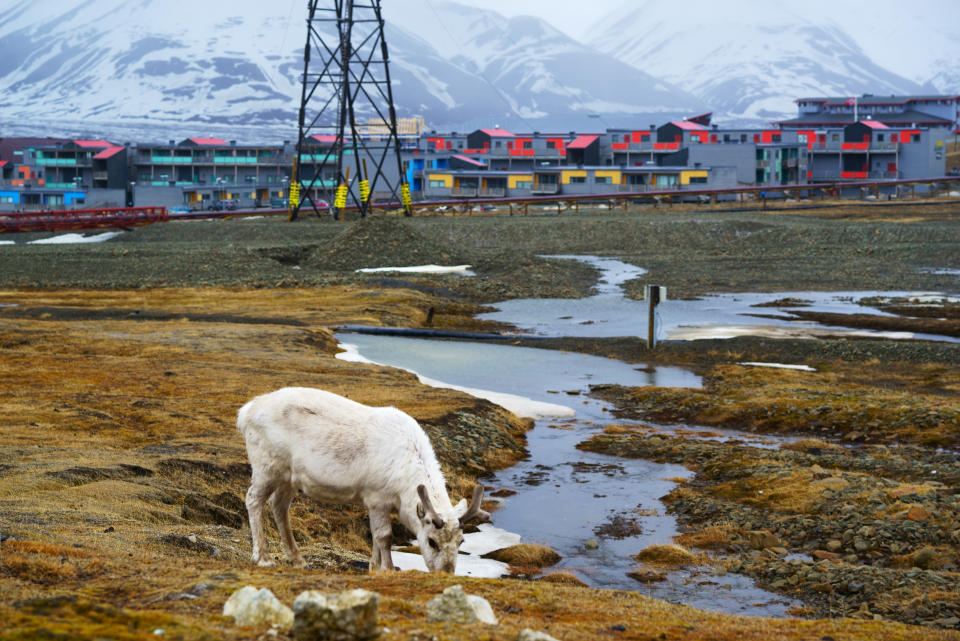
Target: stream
(609,313)
(597,511)
(566,497)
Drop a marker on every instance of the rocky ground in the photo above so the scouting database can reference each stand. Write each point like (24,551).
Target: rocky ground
(123,365)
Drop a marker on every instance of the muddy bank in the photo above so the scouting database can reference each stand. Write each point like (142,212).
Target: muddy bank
(692,253)
(865,401)
(868,531)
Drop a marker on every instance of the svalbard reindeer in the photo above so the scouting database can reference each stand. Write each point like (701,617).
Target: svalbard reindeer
(337,450)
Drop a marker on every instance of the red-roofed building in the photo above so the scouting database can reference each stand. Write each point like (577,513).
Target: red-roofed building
(483,140)
(204,142)
(76,164)
(584,150)
(202,172)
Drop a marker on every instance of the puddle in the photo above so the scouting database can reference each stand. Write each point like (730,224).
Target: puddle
(563,497)
(608,313)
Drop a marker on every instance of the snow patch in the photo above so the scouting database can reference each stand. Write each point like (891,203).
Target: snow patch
(72,239)
(421,269)
(802,368)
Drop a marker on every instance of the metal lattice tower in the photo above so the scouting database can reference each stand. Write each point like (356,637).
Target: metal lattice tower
(346,76)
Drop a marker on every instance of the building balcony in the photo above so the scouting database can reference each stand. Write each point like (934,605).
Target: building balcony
(545,188)
(464,192)
(493,192)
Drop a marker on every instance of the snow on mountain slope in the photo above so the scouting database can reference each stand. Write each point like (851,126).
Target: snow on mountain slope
(747,64)
(176,62)
(922,44)
(538,69)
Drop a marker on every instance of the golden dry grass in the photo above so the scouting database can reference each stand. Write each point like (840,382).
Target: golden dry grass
(668,556)
(526,555)
(710,538)
(862,401)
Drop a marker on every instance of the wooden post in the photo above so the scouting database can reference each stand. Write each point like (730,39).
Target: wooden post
(653,297)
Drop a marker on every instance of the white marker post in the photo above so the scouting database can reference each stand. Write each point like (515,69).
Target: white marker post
(655,294)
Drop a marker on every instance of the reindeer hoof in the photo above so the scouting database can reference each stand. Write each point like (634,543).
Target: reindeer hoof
(265,563)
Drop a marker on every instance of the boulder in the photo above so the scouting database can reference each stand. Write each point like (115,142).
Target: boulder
(456,606)
(251,607)
(760,539)
(336,617)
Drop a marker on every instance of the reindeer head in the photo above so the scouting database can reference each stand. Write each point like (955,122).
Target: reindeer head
(440,536)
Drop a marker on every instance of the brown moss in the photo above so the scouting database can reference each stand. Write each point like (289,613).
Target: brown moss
(710,538)
(525,555)
(563,578)
(668,556)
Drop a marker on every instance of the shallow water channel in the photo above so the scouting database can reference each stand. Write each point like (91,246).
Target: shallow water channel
(610,313)
(569,499)
(566,497)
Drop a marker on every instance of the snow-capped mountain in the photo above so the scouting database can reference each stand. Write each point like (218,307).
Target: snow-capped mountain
(749,63)
(537,69)
(149,63)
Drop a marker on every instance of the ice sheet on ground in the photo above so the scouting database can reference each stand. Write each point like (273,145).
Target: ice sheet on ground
(8,242)
(773,331)
(466,565)
(488,539)
(519,405)
(71,239)
(421,269)
(803,368)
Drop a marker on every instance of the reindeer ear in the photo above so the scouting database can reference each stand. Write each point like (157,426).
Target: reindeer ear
(420,511)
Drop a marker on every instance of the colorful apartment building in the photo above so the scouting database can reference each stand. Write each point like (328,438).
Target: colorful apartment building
(199,172)
(65,173)
(929,112)
(889,139)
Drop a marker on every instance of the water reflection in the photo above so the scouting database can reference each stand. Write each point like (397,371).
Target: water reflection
(608,313)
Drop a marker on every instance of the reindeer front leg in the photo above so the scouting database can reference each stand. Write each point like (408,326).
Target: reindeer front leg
(381,533)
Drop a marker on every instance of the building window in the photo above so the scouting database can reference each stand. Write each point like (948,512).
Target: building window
(666,180)
(496,144)
(438,183)
(603,180)
(578,180)
(698,180)
(743,137)
(524,184)
(552,144)
(528,144)
(879,137)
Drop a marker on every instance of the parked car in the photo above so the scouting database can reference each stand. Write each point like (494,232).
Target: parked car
(221,205)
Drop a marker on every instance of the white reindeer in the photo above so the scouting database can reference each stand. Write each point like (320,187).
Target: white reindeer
(336,450)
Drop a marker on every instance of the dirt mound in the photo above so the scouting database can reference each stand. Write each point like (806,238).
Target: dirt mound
(382,242)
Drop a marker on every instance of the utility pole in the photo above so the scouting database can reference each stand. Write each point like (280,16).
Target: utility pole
(346,76)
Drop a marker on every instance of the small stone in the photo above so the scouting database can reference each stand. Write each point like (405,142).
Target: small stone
(917,513)
(834,545)
(534,635)
(820,555)
(760,539)
(592,544)
(456,606)
(338,617)
(249,606)
(923,557)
